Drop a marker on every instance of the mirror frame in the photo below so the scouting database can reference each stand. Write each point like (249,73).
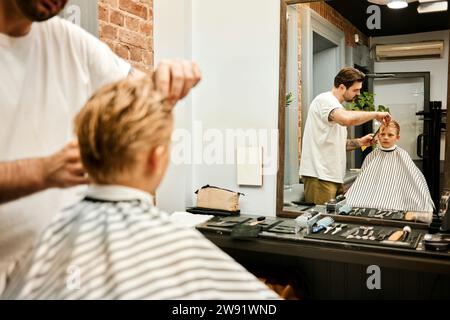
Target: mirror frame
(447,133)
(281,109)
(281,114)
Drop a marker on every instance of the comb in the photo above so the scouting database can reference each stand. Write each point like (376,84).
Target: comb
(376,132)
(373,137)
(322,224)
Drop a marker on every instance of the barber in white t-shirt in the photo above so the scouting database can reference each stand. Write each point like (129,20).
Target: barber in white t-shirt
(323,161)
(49,69)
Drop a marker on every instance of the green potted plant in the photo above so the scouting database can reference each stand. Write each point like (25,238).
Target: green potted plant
(365,102)
(289,99)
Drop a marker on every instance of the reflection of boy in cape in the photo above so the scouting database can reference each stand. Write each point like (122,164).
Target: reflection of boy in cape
(389,178)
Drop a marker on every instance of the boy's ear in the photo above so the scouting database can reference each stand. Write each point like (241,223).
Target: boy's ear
(156,159)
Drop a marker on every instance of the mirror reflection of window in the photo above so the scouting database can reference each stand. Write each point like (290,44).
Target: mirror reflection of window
(405,98)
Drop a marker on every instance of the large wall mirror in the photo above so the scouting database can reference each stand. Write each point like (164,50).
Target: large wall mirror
(405,55)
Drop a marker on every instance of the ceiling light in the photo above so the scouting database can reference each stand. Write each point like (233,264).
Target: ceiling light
(432,7)
(397,4)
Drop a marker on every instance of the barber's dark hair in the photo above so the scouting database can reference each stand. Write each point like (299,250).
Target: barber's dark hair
(348,76)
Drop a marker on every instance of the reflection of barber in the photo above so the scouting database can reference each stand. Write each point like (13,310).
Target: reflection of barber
(325,143)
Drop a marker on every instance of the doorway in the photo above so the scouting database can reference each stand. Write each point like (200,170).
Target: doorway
(325,61)
(323,55)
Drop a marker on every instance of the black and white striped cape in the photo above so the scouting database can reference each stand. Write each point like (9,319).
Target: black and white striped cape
(389,179)
(116,245)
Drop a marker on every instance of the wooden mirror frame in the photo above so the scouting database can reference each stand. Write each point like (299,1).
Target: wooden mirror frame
(281,108)
(281,114)
(447,133)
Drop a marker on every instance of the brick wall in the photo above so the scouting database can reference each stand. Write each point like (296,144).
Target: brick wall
(127,27)
(340,22)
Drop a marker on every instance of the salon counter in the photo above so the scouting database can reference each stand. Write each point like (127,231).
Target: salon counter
(339,269)
(296,193)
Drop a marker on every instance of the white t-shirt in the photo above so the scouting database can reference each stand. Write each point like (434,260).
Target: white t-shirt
(46,77)
(323,148)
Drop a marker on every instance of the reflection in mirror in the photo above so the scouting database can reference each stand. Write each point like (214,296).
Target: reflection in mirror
(406,66)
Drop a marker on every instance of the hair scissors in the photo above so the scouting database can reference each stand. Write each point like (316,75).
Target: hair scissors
(376,133)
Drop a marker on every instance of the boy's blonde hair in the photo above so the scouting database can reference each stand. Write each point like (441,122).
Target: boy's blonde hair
(392,124)
(119,121)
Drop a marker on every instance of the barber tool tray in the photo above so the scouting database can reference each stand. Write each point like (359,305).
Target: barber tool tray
(228,223)
(285,226)
(396,217)
(214,212)
(371,213)
(366,234)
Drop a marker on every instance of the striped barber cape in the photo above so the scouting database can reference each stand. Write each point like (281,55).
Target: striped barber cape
(390,180)
(116,245)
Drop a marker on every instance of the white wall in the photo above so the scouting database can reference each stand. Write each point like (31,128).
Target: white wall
(438,68)
(236,44)
(324,70)
(172,39)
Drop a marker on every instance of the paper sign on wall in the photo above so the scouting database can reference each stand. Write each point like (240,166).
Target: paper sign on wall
(249,166)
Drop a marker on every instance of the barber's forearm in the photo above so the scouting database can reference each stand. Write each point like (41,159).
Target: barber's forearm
(352,144)
(360,117)
(20,178)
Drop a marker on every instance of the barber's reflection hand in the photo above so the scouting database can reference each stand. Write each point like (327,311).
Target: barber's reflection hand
(367,140)
(383,117)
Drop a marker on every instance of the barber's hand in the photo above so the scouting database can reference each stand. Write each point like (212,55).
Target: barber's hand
(383,117)
(64,169)
(174,78)
(367,140)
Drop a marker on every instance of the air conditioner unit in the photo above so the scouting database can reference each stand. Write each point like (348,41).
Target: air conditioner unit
(416,50)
